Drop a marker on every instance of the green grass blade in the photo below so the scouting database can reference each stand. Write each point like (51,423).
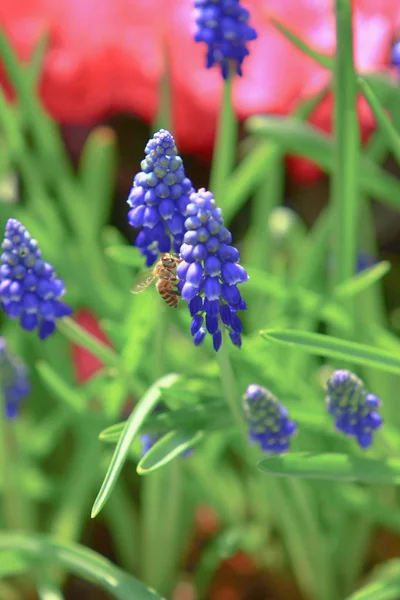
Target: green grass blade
(97,171)
(342,467)
(246,177)
(362,281)
(295,137)
(67,395)
(80,336)
(133,424)
(201,416)
(76,560)
(12,563)
(322,59)
(169,447)
(331,347)
(385,584)
(125,255)
(346,145)
(225,146)
(384,122)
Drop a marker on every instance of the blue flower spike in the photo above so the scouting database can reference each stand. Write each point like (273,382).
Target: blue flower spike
(158,198)
(210,272)
(223,26)
(14,381)
(29,287)
(268,420)
(395,55)
(354,409)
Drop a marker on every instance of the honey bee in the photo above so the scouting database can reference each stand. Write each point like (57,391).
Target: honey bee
(165,274)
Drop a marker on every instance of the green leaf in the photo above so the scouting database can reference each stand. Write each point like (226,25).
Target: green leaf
(225,146)
(385,124)
(97,173)
(323,345)
(12,563)
(362,281)
(246,177)
(132,426)
(61,389)
(78,335)
(210,415)
(300,138)
(126,255)
(385,584)
(167,448)
(322,59)
(341,467)
(346,155)
(76,560)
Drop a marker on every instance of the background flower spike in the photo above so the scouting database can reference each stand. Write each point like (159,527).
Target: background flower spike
(354,410)
(268,420)
(29,287)
(224,26)
(14,380)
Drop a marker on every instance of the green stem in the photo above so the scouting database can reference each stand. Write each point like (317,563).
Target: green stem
(161,496)
(78,335)
(15,505)
(346,148)
(225,145)
(230,389)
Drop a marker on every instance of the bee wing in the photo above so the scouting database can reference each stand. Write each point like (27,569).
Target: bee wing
(142,284)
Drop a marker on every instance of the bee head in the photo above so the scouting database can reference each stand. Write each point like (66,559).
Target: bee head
(168,261)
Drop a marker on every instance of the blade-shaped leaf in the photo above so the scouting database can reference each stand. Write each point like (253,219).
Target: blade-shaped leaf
(132,426)
(362,281)
(76,560)
(324,345)
(385,124)
(300,138)
(332,466)
(167,448)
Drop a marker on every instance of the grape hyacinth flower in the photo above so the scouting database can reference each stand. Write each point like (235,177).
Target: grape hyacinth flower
(29,287)
(209,272)
(223,26)
(14,380)
(269,423)
(158,198)
(395,56)
(355,410)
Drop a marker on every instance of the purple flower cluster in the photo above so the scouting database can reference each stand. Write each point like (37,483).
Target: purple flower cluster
(268,420)
(355,410)
(14,381)
(223,26)
(29,288)
(210,272)
(158,198)
(395,55)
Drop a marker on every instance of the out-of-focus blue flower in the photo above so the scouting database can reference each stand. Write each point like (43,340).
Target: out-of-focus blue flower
(355,410)
(29,287)
(364,261)
(149,439)
(158,198)
(14,380)
(395,56)
(210,272)
(223,26)
(269,423)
